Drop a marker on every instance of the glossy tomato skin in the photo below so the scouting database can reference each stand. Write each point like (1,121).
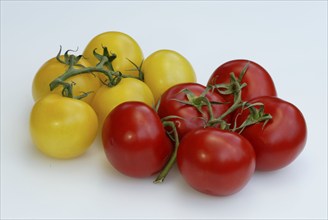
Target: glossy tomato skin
(259,81)
(61,127)
(52,69)
(189,117)
(216,162)
(282,139)
(128,89)
(135,141)
(166,68)
(122,45)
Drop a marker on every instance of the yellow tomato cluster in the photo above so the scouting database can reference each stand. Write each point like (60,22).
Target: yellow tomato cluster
(63,127)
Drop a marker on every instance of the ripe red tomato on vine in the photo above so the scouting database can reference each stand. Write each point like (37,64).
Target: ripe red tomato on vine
(258,81)
(135,141)
(281,139)
(216,162)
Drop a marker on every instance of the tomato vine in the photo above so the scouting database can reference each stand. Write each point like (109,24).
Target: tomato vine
(74,68)
(234,87)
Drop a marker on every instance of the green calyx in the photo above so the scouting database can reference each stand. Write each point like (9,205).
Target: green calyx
(256,115)
(198,101)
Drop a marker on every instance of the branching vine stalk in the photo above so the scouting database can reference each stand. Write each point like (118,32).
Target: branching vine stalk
(104,67)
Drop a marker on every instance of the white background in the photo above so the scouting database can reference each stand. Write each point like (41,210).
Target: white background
(288,38)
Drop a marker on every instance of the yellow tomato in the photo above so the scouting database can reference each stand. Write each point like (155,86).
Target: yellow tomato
(164,69)
(128,89)
(121,44)
(62,127)
(51,69)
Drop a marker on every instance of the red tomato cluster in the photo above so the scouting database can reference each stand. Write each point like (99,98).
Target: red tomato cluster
(218,134)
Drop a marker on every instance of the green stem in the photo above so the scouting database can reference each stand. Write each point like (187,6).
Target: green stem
(207,89)
(73,72)
(160,178)
(237,103)
(138,68)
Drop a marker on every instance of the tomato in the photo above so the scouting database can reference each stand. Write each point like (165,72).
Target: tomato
(51,69)
(164,69)
(135,141)
(216,162)
(258,80)
(122,45)
(128,89)
(281,139)
(62,127)
(188,117)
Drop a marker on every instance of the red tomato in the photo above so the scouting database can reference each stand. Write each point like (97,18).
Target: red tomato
(190,117)
(281,139)
(216,162)
(258,80)
(135,140)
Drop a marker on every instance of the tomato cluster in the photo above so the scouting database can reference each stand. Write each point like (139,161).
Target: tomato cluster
(152,113)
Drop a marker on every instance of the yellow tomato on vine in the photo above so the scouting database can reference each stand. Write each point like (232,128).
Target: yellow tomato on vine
(128,52)
(62,127)
(128,89)
(164,69)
